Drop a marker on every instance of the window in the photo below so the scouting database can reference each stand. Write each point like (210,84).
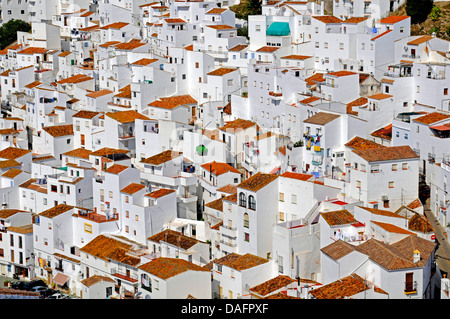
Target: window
(394,167)
(251,202)
(246,220)
(358,184)
(294,199)
(242,200)
(127,214)
(281,197)
(247,237)
(88,228)
(375,169)
(137,218)
(281,217)
(405,166)
(445,91)
(391,184)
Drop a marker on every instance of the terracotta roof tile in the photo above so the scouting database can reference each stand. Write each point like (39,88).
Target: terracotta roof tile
(221,27)
(387,153)
(166,268)
(267,49)
(341,73)
(229,189)
(144,61)
(392,228)
(384,132)
(127,116)
(162,157)
(79,152)
(393,19)
(222,71)
(99,93)
(238,124)
(86,114)
(379,96)
(359,143)
(296,57)
(160,193)
(272,285)
(55,211)
(13,153)
(173,101)
(78,78)
(115,25)
(174,238)
(216,11)
(257,181)
(432,118)
(339,217)
(219,168)
(241,262)
(216,204)
(132,188)
(92,280)
(328,19)
(116,169)
(317,77)
(6,213)
(33,50)
(59,130)
(299,176)
(109,151)
(108,248)
(321,118)
(380,35)
(238,47)
(11,173)
(419,223)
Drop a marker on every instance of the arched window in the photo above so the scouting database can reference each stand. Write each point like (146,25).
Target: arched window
(251,202)
(246,222)
(242,200)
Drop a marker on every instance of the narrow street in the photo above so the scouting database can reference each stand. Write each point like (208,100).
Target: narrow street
(443,250)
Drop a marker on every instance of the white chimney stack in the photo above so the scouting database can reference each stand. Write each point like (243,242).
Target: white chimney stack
(416,256)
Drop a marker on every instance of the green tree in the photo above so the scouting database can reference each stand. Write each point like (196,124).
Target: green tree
(435,13)
(246,8)
(418,10)
(8,31)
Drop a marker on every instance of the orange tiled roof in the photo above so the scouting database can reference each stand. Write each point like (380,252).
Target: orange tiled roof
(241,262)
(33,50)
(216,204)
(86,114)
(379,96)
(92,280)
(238,47)
(419,223)
(33,84)
(321,118)
(116,169)
(296,57)
(382,212)
(328,19)
(189,47)
(299,176)
(392,228)
(272,285)
(132,188)
(174,238)
(414,204)
(127,116)
(108,44)
(420,40)
(431,118)
(267,49)
(109,151)
(257,181)
(9,163)
(115,25)
(317,77)
(160,193)
(11,173)
(344,288)
(13,152)
(166,268)
(174,20)
(162,157)
(393,19)
(229,189)
(355,20)
(59,130)
(222,71)
(130,45)
(219,168)
(359,143)
(8,131)
(173,101)
(237,124)
(339,217)
(221,27)
(216,11)
(55,211)
(79,152)
(144,61)
(7,212)
(75,79)
(99,93)
(384,132)
(380,35)
(108,248)
(341,73)
(387,153)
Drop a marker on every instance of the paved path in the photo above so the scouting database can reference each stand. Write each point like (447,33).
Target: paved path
(443,250)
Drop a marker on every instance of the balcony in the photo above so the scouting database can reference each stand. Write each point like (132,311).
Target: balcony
(98,218)
(124,275)
(410,288)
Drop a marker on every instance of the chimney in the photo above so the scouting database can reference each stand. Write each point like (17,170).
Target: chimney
(416,256)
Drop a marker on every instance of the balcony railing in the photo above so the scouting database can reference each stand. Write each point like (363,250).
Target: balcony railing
(410,287)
